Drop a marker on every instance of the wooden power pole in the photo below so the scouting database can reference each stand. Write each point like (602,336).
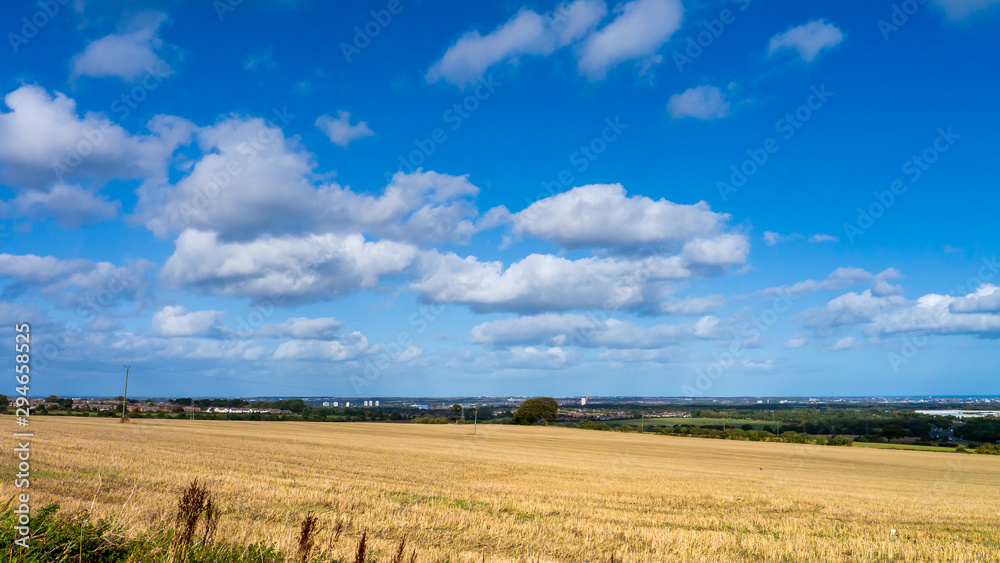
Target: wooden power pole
(125,395)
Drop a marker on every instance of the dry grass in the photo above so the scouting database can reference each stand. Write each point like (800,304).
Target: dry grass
(527,494)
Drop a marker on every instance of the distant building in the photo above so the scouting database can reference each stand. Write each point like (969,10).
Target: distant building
(376,403)
(326,403)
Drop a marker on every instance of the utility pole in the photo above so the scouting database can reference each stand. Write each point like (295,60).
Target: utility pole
(125,395)
(475,422)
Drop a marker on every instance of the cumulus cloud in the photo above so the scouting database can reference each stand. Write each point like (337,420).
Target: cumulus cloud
(69,205)
(639,355)
(42,140)
(808,39)
(841,278)
(846,343)
(340,131)
(527,33)
(231,190)
(176,320)
(963,9)
(304,268)
(796,342)
(702,102)
(823,238)
(943,314)
(529,357)
(602,215)
(849,309)
(639,29)
(86,285)
(592,332)
(772,238)
(692,306)
(986,299)
(351,347)
(541,282)
(128,54)
(322,328)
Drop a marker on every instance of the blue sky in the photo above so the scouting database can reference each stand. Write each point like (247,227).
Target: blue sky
(409,197)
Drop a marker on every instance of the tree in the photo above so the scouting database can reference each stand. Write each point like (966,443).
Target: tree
(893,431)
(533,410)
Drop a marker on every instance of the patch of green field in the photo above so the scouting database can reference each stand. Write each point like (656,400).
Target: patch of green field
(902,447)
(729,422)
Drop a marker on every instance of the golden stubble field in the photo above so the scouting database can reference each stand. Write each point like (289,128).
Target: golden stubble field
(530,494)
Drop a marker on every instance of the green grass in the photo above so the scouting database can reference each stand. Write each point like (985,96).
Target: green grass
(902,447)
(77,538)
(729,422)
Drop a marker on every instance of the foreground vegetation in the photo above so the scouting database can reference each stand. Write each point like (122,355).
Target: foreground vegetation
(512,494)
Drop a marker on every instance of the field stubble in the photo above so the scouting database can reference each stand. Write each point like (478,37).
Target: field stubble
(528,494)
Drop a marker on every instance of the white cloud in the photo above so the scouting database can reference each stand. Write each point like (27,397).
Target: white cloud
(541,282)
(69,205)
(772,238)
(262,60)
(692,306)
(823,238)
(638,355)
(602,215)
(527,33)
(128,54)
(846,343)
(350,347)
(702,102)
(42,139)
(807,39)
(592,332)
(796,342)
(176,320)
(91,286)
(986,299)
(530,357)
(305,268)
(972,313)
(841,278)
(340,131)
(322,328)
(144,348)
(640,28)
(849,309)
(962,9)
(231,190)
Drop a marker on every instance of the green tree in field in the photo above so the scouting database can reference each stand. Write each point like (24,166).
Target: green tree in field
(892,431)
(534,410)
